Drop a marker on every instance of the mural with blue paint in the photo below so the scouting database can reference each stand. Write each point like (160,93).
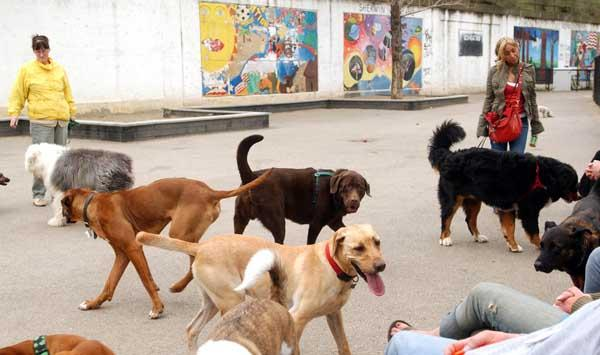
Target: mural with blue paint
(250,50)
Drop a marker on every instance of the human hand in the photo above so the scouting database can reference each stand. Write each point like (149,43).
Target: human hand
(14,121)
(483,338)
(565,300)
(593,170)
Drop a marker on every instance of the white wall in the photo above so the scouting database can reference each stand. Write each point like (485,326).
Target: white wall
(451,74)
(131,55)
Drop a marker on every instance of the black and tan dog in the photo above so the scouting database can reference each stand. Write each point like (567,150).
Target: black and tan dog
(517,185)
(256,326)
(305,196)
(567,246)
(4,180)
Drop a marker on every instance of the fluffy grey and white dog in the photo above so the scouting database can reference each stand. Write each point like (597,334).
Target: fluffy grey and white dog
(62,168)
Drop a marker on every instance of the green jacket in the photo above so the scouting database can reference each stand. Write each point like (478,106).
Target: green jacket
(495,101)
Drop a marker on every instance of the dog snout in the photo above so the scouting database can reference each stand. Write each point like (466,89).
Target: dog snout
(353,205)
(540,266)
(379,266)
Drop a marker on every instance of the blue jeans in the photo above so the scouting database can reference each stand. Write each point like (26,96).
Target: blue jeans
(519,144)
(487,306)
(491,306)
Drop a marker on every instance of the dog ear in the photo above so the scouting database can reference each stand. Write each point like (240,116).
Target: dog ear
(548,225)
(580,231)
(66,204)
(334,183)
(367,188)
(338,239)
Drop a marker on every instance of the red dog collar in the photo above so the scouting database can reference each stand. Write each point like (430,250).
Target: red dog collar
(338,270)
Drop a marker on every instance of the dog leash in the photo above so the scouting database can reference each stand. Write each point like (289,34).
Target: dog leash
(89,232)
(481,142)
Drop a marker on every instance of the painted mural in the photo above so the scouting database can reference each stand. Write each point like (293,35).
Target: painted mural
(539,47)
(251,50)
(368,57)
(584,48)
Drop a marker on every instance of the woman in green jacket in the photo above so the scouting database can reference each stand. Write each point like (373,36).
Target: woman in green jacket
(501,93)
(43,84)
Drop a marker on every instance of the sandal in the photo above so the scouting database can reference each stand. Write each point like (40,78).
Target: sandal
(394,324)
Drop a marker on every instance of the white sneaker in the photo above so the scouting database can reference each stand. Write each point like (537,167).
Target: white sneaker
(39,202)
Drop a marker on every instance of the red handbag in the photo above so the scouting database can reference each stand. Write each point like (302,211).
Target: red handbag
(506,128)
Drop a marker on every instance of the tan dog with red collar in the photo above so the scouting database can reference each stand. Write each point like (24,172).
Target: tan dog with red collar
(58,344)
(314,287)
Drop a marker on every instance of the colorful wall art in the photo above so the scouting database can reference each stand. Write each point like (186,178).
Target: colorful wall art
(584,48)
(251,50)
(368,58)
(539,47)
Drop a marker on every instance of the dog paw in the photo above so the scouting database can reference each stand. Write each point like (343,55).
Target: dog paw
(56,222)
(446,242)
(84,306)
(516,250)
(481,238)
(154,314)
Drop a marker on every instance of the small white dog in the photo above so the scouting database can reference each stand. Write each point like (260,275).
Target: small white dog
(544,111)
(62,169)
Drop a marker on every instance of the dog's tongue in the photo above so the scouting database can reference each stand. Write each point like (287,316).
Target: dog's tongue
(375,284)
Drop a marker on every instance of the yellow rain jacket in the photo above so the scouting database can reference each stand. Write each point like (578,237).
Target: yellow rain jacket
(46,89)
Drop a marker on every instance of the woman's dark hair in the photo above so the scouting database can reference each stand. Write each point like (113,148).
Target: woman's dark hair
(39,42)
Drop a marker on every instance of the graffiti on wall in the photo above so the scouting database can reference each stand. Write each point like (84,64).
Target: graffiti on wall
(367,53)
(540,48)
(249,50)
(584,48)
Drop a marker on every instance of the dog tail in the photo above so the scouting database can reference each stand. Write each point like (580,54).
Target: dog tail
(266,260)
(156,240)
(444,136)
(240,190)
(246,173)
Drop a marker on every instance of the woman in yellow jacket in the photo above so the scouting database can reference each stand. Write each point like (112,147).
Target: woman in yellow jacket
(43,84)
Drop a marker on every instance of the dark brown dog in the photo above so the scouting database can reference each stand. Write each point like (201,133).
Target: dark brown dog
(189,205)
(4,180)
(567,246)
(304,196)
(59,344)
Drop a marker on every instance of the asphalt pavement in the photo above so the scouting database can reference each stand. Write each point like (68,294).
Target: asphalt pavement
(46,272)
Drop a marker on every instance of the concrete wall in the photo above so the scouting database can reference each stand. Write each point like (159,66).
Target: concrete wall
(133,55)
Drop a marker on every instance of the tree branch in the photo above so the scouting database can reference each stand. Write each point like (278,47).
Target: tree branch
(437,3)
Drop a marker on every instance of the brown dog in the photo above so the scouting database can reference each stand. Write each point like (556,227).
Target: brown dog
(4,180)
(190,205)
(58,344)
(305,196)
(320,276)
(256,326)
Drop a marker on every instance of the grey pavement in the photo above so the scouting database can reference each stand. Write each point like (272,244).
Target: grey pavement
(46,272)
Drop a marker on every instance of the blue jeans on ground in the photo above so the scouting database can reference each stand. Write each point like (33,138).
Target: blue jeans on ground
(491,306)
(43,134)
(519,144)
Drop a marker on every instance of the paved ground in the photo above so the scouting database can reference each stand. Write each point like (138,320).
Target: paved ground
(46,272)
